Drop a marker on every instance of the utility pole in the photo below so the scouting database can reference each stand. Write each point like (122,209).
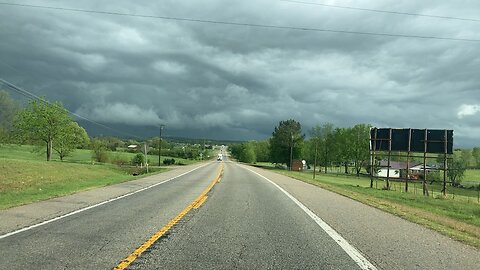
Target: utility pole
(291,152)
(146,156)
(315,159)
(160,144)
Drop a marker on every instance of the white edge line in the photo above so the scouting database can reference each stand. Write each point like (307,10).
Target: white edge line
(96,205)
(356,256)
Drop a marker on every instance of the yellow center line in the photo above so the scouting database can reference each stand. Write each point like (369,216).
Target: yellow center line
(195,204)
(201,202)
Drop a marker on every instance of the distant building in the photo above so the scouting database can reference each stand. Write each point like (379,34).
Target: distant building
(132,147)
(398,169)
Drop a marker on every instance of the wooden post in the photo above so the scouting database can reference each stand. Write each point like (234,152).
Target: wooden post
(372,157)
(389,157)
(444,191)
(425,189)
(408,158)
(315,159)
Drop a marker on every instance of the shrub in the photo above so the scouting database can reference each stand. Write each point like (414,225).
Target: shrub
(138,159)
(99,151)
(168,161)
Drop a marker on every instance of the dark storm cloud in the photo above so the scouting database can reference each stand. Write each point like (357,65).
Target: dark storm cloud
(237,82)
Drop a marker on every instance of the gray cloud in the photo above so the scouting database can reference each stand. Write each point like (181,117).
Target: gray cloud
(236,82)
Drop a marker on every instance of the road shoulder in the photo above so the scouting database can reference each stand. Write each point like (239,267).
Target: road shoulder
(27,215)
(387,240)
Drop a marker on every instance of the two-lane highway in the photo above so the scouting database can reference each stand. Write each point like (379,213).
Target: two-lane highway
(247,223)
(224,215)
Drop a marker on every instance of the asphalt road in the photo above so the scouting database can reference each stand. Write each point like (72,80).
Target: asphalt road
(101,237)
(247,222)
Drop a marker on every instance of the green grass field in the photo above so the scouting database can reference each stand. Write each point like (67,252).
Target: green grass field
(457,216)
(28,152)
(472,176)
(26,177)
(26,181)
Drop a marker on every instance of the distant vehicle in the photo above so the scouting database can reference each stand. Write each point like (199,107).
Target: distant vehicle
(219,157)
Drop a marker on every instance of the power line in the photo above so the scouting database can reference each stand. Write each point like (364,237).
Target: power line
(384,11)
(33,96)
(242,24)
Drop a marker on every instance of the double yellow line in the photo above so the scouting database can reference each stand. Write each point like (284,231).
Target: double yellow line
(195,204)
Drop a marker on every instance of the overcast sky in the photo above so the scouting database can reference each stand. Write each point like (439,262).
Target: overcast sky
(237,82)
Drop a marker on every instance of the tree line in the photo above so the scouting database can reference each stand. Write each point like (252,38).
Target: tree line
(326,146)
(49,124)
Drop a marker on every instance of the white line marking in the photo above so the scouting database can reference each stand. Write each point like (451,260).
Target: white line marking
(95,205)
(349,249)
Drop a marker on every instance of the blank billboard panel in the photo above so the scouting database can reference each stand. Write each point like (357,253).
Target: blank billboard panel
(412,140)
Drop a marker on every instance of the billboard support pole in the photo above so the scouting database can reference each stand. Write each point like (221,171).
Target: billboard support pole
(372,156)
(425,190)
(389,158)
(444,191)
(408,158)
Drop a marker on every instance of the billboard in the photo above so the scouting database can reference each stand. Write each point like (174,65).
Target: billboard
(438,141)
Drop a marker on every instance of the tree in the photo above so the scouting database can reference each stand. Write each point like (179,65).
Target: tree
(42,122)
(244,152)
(262,151)
(99,150)
(8,109)
(286,142)
(476,156)
(247,153)
(343,145)
(360,146)
(466,157)
(324,136)
(73,136)
(456,170)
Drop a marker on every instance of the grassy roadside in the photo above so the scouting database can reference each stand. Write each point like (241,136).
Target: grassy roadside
(27,181)
(29,152)
(458,219)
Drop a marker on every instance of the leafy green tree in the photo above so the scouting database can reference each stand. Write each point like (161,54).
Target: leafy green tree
(466,156)
(343,146)
(244,152)
(262,150)
(476,156)
(8,109)
(360,140)
(42,122)
(324,137)
(456,170)
(286,136)
(236,150)
(99,150)
(73,136)
(247,153)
